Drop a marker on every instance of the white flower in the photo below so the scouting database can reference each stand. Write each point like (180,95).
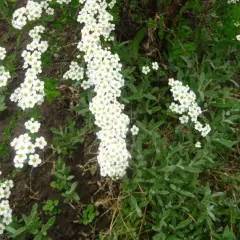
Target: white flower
(30,148)
(40,142)
(2,53)
(198,145)
(134,130)
(205,130)
(146,70)
(75,72)
(185,102)
(31,91)
(184,119)
(20,157)
(34,160)
(18,165)
(32,126)
(4,75)
(24,146)
(155,66)
(5,210)
(63,1)
(50,11)
(31,12)
(7,219)
(2,227)
(85,85)
(238,37)
(9,183)
(198,126)
(232,1)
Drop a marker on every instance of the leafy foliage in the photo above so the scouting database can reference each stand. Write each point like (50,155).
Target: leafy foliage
(173,190)
(33,226)
(64,182)
(51,207)
(88,215)
(65,139)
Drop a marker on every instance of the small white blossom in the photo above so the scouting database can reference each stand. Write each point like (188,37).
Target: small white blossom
(198,145)
(4,75)
(205,130)
(32,126)
(34,160)
(40,142)
(134,130)
(2,53)
(238,37)
(184,119)
(146,70)
(50,11)
(155,66)
(85,85)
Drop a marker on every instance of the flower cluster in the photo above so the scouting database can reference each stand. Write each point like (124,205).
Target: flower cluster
(185,105)
(75,72)
(103,71)
(233,1)
(146,69)
(5,210)
(33,11)
(63,1)
(31,91)
(4,75)
(2,53)
(25,146)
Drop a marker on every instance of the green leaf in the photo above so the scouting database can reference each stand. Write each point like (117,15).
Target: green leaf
(2,103)
(50,86)
(186,193)
(136,42)
(225,142)
(169,168)
(49,223)
(150,96)
(138,210)
(184,223)
(191,169)
(228,234)
(20,231)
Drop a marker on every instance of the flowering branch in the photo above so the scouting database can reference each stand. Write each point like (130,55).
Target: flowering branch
(185,105)
(104,75)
